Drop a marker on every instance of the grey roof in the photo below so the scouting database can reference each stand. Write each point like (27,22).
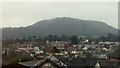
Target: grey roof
(87,63)
(71,63)
(37,63)
(30,63)
(82,63)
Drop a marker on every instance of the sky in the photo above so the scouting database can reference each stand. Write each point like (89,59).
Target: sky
(21,14)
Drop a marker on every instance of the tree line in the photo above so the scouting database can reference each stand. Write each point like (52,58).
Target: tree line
(73,39)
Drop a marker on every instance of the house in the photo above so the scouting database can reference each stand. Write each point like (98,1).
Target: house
(88,63)
(79,62)
(114,57)
(49,62)
(24,47)
(55,62)
(14,66)
(108,64)
(37,50)
(97,65)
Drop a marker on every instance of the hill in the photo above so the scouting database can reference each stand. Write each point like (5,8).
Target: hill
(60,26)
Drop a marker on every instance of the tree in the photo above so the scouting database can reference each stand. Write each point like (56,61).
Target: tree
(55,50)
(64,38)
(29,39)
(88,55)
(18,40)
(74,39)
(49,37)
(38,39)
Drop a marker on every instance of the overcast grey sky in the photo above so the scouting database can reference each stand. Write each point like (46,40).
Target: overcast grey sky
(19,14)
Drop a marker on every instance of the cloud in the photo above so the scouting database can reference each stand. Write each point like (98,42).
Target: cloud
(24,14)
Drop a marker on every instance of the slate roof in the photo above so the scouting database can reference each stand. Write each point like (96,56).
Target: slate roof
(30,63)
(115,55)
(87,63)
(80,63)
(107,64)
(14,66)
(71,63)
(35,64)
